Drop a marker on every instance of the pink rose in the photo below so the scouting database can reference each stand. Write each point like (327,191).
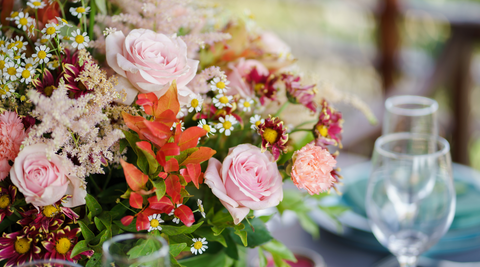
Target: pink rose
(42,181)
(237,76)
(12,133)
(274,45)
(148,62)
(248,179)
(312,167)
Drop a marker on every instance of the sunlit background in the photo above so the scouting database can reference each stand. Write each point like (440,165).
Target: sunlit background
(378,48)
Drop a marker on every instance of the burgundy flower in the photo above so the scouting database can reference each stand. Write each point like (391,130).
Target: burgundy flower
(28,122)
(59,245)
(70,75)
(47,84)
(328,129)
(7,197)
(262,85)
(18,248)
(298,94)
(274,136)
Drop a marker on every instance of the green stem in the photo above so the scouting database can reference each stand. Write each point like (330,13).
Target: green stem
(109,176)
(217,143)
(301,130)
(62,9)
(95,184)
(36,21)
(93,11)
(305,123)
(282,108)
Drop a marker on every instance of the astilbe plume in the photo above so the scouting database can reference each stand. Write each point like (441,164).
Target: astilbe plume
(199,83)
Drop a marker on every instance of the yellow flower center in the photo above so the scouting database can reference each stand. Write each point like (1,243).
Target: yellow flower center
(42,54)
(5,88)
(11,71)
(64,21)
(322,130)
(50,210)
(4,201)
(51,30)
(43,41)
(10,46)
(22,98)
(28,65)
(246,104)
(80,10)
(19,44)
(49,91)
(206,127)
(14,14)
(37,3)
(270,135)
(258,123)
(198,245)
(22,245)
(31,27)
(259,86)
(194,103)
(63,245)
(223,100)
(25,74)
(79,39)
(154,223)
(66,38)
(220,85)
(2,42)
(227,125)
(2,64)
(23,21)
(17,57)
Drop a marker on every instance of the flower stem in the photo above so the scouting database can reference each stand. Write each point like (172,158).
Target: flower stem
(282,108)
(97,188)
(300,130)
(93,11)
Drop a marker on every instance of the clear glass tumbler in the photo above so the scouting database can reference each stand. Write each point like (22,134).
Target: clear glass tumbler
(49,263)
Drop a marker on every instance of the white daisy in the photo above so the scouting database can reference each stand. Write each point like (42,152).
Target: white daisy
(174,125)
(31,29)
(219,85)
(41,41)
(11,71)
(200,207)
(221,101)
(27,75)
(79,11)
(54,64)
(50,30)
(62,22)
(226,124)
(20,44)
(29,63)
(246,104)
(42,55)
(3,62)
(256,120)
(195,103)
(6,89)
(207,127)
(155,220)
(23,20)
(36,4)
(199,245)
(13,15)
(79,39)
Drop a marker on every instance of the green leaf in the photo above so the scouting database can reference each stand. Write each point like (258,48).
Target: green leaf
(231,249)
(176,230)
(95,260)
(132,139)
(93,205)
(102,7)
(100,226)
(160,188)
(123,144)
(277,248)
(262,260)
(266,218)
(218,260)
(177,239)
(218,229)
(308,224)
(175,249)
(279,262)
(254,238)
(144,248)
(151,160)
(292,200)
(132,228)
(208,233)
(174,262)
(243,237)
(80,247)
(104,236)
(184,155)
(119,210)
(86,232)
(221,217)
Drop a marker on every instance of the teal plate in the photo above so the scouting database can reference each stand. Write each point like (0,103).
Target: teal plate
(463,235)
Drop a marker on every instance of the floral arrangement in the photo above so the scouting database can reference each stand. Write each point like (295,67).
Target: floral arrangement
(151,116)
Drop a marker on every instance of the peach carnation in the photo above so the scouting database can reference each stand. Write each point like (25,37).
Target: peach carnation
(12,133)
(311,170)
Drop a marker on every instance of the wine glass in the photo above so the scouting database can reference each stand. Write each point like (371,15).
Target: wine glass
(409,113)
(50,263)
(410,199)
(145,250)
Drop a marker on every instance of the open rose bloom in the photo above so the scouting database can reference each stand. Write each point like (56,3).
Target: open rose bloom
(12,133)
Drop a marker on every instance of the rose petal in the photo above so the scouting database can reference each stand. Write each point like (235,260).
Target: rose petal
(114,44)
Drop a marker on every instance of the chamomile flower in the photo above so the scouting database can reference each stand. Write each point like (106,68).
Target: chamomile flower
(246,104)
(11,71)
(80,40)
(79,11)
(20,44)
(174,126)
(62,22)
(221,101)
(29,63)
(42,55)
(13,15)
(207,127)
(155,220)
(53,65)
(226,124)
(41,41)
(199,245)
(200,207)
(195,103)
(23,21)
(31,30)
(27,75)
(3,62)
(50,30)
(36,4)
(6,89)
(219,85)
(256,120)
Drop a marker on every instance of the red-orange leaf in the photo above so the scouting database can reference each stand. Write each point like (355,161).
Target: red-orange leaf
(136,179)
(164,205)
(169,101)
(143,223)
(161,158)
(147,101)
(199,156)
(127,220)
(136,200)
(170,149)
(173,186)
(146,146)
(178,132)
(185,214)
(134,122)
(186,176)
(163,175)
(189,137)
(158,129)
(194,171)
(172,165)
(167,117)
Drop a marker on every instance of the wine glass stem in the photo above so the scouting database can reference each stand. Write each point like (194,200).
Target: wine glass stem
(407,261)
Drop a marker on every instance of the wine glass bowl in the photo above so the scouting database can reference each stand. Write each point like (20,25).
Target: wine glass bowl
(410,198)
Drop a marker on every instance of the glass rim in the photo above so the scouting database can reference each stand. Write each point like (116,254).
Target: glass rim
(51,261)
(391,104)
(406,135)
(162,252)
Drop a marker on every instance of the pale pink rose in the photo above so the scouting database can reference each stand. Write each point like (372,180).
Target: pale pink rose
(44,181)
(274,45)
(311,170)
(12,133)
(247,179)
(237,74)
(150,61)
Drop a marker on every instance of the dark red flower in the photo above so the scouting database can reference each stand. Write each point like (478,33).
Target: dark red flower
(298,94)
(328,130)
(59,245)
(47,84)
(274,136)
(18,248)
(262,85)
(7,197)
